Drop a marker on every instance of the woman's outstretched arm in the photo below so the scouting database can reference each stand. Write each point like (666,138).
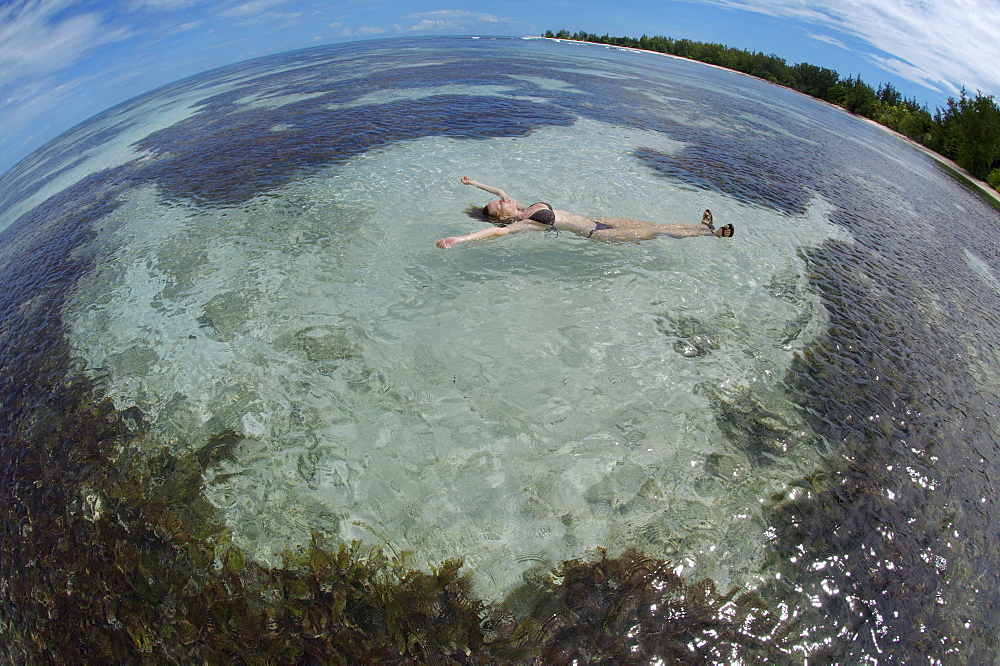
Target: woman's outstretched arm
(489,188)
(488,232)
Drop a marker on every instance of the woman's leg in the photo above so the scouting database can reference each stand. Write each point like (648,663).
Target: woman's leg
(625,229)
(628,229)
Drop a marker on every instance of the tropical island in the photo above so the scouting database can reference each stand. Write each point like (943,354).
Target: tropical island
(966,131)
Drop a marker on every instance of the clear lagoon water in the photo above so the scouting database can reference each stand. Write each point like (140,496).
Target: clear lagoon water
(810,406)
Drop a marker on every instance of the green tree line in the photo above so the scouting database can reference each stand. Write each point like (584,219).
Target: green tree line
(966,130)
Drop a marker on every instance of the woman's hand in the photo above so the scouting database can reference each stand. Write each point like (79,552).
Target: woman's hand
(446,243)
(488,188)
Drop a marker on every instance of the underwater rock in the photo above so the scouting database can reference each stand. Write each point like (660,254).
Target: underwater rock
(619,487)
(226,313)
(323,343)
(758,422)
(727,466)
(695,338)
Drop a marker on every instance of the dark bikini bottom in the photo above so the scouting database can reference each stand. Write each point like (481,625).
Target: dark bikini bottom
(599,226)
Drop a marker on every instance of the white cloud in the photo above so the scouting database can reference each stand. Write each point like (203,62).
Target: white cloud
(34,43)
(161,5)
(829,40)
(456,14)
(941,44)
(455,20)
(363,31)
(909,72)
(428,24)
(184,27)
(262,13)
(442,20)
(252,8)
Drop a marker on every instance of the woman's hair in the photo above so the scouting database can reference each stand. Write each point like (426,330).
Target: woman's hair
(480,214)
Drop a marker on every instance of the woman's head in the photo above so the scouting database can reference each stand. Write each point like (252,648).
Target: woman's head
(482,213)
(501,209)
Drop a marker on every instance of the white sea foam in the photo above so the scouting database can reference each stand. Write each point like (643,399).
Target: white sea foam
(511,402)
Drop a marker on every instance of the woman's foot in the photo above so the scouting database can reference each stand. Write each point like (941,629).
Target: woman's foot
(706,219)
(724,232)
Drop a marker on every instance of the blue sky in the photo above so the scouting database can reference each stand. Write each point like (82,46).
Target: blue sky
(62,61)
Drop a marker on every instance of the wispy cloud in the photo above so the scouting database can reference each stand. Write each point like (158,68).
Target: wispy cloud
(252,8)
(453,20)
(910,72)
(829,40)
(363,31)
(35,43)
(263,12)
(940,44)
(456,15)
(59,59)
(161,5)
(184,27)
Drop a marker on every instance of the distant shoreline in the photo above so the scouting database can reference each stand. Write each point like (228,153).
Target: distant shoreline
(949,164)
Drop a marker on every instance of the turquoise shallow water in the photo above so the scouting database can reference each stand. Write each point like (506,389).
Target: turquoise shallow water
(507,401)
(260,260)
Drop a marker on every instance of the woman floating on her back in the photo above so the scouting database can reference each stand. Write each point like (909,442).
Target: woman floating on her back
(512,217)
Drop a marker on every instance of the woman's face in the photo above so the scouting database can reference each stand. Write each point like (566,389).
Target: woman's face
(502,209)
